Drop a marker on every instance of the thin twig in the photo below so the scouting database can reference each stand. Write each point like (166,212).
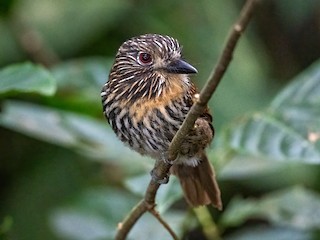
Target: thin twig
(164,223)
(147,204)
(161,168)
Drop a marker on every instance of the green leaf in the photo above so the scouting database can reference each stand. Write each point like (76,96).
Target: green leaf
(79,84)
(82,78)
(298,105)
(295,207)
(268,233)
(93,215)
(77,225)
(264,175)
(304,89)
(264,135)
(26,77)
(289,129)
(78,132)
(97,212)
(77,74)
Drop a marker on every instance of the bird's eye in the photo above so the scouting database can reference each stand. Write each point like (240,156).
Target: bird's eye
(144,58)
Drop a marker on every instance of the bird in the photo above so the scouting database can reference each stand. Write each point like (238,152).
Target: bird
(146,99)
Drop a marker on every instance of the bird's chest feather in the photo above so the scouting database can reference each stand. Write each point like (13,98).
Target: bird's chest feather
(148,125)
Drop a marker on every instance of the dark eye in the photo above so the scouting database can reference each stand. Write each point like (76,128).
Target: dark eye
(144,58)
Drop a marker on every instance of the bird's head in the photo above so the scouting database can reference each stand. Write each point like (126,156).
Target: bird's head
(146,65)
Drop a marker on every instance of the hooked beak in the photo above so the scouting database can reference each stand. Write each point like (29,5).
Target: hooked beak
(180,67)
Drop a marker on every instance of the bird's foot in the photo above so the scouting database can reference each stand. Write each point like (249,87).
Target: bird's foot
(155,174)
(164,157)
(157,179)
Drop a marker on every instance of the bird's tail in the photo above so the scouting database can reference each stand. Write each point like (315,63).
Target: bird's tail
(199,183)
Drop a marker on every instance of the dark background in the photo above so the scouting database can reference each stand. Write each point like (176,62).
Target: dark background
(57,181)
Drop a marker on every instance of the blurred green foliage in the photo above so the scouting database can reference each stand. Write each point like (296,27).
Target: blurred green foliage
(63,173)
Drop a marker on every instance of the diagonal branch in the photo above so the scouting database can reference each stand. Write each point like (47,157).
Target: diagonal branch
(214,78)
(164,223)
(161,168)
(127,224)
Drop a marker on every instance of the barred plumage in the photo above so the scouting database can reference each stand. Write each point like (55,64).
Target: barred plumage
(146,100)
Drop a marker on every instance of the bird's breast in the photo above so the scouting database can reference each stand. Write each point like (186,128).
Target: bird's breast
(148,127)
(154,123)
(149,124)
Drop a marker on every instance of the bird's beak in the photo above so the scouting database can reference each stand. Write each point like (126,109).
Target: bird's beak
(180,67)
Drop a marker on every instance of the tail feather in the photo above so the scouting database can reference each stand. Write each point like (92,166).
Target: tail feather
(199,183)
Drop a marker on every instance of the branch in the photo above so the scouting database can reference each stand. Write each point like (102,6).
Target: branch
(214,78)
(125,226)
(161,168)
(164,223)
(142,207)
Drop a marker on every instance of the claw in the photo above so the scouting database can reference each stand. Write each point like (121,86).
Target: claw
(164,157)
(157,179)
